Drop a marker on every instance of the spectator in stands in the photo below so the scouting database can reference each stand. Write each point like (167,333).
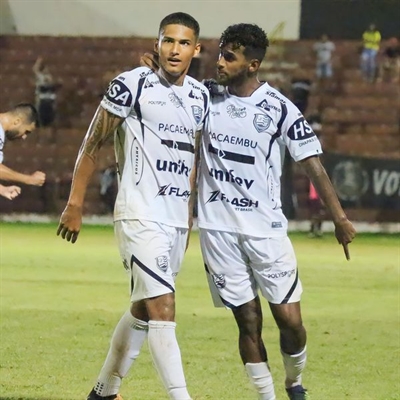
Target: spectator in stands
(324,49)
(371,42)
(300,90)
(10,192)
(45,92)
(390,65)
(18,123)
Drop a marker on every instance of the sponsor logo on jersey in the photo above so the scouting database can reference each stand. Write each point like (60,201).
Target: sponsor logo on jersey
(301,130)
(261,122)
(183,130)
(148,84)
(125,264)
(219,280)
(157,103)
(168,190)
(267,107)
(219,137)
(196,87)
(193,95)
(143,74)
(197,113)
(162,263)
(275,225)
(282,274)
(228,176)
(263,104)
(236,112)
(176,101)
(215,113)
(238,202)
(179,167)
(119,94)
(275,96)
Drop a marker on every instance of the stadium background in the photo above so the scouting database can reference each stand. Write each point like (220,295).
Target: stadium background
(81,40)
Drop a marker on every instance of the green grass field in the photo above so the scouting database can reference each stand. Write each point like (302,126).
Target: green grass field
(60,303)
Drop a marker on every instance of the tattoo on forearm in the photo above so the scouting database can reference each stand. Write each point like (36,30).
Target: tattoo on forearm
(101,128)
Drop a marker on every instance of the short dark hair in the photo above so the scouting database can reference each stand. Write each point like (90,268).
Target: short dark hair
(250,36)
(29,111)
(181,18)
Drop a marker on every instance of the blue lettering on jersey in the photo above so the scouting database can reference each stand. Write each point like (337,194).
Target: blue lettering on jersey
(261,122)
(300,130)
(119,94)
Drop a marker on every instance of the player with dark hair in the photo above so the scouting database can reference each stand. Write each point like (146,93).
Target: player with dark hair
(243,231)
(18,123)
(155,118)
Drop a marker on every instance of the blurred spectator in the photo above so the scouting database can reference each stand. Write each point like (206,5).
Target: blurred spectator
(108,188)
(45,93)
(15,124)
(371,42)
(324,49)
(300,90)
(390,65)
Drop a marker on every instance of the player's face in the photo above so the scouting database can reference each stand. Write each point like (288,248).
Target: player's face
(232,66)
(20,129)
(176,46)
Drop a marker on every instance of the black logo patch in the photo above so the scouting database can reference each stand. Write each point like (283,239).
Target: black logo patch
(300,130)
(119,94)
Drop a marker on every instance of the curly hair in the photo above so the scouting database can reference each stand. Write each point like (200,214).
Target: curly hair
(250,36)
(181,18)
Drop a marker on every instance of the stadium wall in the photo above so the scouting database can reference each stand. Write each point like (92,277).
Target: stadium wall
(141,18)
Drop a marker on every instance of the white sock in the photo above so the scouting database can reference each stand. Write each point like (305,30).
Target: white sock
(261,378)
(126,342)
(166,355)
(294,365)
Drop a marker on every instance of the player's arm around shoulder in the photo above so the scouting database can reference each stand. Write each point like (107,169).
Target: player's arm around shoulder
(344,229)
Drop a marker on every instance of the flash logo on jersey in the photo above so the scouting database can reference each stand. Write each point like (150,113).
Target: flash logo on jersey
(118,93)
(168,190)
(261,122)
(197,113)
(300,130)
(242,202)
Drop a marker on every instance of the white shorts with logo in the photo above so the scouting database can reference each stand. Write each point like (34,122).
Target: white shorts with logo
(152,253)
(238,265)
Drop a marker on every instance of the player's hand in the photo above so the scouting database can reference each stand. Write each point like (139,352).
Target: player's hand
(38,178)
(150,60)
(214,88)
(345,233)
(10,192)
(70,223)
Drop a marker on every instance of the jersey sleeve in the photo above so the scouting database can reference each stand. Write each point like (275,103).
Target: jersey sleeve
(297,134)
(120,94)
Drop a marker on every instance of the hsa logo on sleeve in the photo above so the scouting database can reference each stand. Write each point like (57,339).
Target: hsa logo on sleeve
(118,93)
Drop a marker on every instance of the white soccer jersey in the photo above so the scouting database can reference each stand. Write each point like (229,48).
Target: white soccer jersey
(239,185)
(2,141)
(155,144)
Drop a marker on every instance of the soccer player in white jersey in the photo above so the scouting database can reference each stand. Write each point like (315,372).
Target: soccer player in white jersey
(156,117)
(243,231)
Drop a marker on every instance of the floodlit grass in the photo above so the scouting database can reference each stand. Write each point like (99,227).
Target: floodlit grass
(60,303)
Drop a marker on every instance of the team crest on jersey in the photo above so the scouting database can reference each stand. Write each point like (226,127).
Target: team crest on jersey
(162,263)
(197,113)
(176,101)
(261,122)
(219,280)
(263,104)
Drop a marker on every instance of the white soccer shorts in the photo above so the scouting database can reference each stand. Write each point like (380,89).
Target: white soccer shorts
(237,266)
(152,253)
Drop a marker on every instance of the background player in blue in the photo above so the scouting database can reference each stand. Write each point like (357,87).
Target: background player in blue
(155,118)
(243,231)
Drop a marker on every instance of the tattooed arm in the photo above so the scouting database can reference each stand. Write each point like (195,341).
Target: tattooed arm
(102,127)
(344,230)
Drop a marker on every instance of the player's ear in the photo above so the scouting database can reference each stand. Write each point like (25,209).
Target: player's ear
(254,65)
(17,121)
(197,49)
(156,46)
